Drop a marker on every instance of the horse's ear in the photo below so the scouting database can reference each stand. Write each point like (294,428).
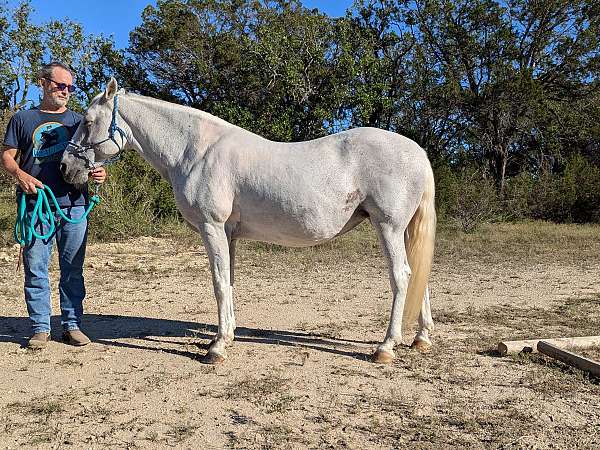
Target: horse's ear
(111,89)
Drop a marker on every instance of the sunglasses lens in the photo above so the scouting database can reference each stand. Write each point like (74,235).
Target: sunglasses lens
(63,86)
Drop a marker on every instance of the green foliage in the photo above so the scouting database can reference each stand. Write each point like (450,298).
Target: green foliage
(491,78)
(264,66)
(135,201)
(5,179)
(466,198)
(25,47)
(8,212)
(491,90)
(22,51)
(570,196)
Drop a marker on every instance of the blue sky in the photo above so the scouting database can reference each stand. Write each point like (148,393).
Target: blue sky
(125,14)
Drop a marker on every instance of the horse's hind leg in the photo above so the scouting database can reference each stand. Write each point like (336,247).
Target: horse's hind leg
(422,341)
(217,247)
(232,243)
(392,243)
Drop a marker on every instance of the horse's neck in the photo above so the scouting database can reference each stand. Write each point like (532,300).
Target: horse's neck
(163,133)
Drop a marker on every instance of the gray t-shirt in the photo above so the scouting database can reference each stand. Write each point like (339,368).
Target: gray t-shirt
(41,139)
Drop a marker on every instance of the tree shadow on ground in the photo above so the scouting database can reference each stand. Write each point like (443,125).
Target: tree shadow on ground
(109,329)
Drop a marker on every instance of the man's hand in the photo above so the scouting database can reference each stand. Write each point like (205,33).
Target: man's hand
(98,174)
(28,183)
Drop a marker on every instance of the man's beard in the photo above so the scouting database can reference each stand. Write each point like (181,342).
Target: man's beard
(56,102)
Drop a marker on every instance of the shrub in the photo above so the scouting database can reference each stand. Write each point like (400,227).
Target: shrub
(516,204)
(466,198)
(570,196)
(135,201)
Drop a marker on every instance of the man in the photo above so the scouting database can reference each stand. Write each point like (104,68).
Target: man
(38,138)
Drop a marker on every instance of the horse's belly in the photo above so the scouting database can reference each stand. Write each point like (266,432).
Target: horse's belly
(276,236)
(296,228)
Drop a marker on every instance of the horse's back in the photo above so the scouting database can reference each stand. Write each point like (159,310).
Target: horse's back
(349,152)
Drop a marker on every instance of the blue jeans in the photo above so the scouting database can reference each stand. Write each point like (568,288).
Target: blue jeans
(70,241)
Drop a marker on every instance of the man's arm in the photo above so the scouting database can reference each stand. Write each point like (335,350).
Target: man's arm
(27,182)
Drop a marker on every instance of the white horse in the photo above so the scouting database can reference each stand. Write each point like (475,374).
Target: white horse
(231,184)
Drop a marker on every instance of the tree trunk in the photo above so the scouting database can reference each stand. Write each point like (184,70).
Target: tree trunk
(503,163)
(498,163)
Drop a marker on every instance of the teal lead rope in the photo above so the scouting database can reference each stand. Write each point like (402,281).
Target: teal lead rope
(25,226)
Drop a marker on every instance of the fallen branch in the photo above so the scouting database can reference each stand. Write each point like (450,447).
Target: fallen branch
(569,358)
(530,346)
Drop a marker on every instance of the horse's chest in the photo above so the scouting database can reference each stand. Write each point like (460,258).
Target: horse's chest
(206,201)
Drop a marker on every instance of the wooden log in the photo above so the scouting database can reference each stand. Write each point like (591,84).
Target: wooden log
(530,345)
(569,358)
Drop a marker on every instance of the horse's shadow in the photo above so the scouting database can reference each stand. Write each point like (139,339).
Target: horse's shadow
(108,329)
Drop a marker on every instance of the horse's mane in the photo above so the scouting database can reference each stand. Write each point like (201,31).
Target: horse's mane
(194,112)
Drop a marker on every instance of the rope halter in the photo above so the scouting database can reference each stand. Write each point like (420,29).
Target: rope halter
(80,151)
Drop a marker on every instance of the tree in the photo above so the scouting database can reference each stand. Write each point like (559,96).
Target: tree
(22,52)
(393,83)
(26,46)
(267,66)
(506,62)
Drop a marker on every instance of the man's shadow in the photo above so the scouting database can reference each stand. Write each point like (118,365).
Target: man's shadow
(108,329)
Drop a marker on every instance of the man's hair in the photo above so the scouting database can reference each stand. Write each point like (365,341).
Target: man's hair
(46,70)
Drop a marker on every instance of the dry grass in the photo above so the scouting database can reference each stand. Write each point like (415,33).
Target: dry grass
(519,243)
(270,392)
(37,407)
(7,216)
(180,433)
(502,243)
(573,317)
(592,353)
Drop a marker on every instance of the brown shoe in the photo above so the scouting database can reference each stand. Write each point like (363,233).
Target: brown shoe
(38,341)
(75,337)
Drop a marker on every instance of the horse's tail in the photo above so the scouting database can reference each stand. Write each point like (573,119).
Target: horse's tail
(420,237)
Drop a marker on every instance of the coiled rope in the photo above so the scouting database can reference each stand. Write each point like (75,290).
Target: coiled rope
(25,224)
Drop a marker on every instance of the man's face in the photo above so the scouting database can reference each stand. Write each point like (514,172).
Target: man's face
(53,95)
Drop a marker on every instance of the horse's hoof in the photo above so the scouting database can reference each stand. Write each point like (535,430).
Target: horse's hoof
(421,346)
(212,358)
(382,357)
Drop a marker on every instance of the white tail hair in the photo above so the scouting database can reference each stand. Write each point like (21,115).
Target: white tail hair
(419,238)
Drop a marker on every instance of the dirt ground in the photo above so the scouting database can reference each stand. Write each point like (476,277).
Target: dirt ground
(298,375)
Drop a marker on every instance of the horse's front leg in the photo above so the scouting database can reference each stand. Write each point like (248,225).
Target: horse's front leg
(217,247)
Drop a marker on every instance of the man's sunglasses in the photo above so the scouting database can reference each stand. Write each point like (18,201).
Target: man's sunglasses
(61,86)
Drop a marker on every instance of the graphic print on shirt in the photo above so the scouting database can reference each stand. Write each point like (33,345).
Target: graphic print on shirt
(49,141)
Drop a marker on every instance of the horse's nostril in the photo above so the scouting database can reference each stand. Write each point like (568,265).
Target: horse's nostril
(63,167)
